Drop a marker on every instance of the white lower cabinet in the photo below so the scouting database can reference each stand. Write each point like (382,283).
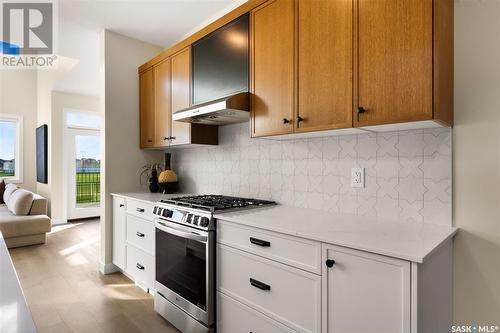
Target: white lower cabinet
(119,230)
(287,294)
(235,317)
(365,292)
(140,266)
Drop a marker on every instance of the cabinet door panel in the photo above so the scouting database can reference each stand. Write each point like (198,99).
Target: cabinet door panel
(395,61)
(119,232)
(163,112)
(181,94)
(365,292)
(146,108)
(272,67)
(325,64)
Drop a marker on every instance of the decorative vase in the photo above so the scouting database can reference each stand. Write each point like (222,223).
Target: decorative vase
(153,181)
(168,179)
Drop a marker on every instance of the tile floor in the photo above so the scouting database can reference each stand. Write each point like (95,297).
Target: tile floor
(66,292)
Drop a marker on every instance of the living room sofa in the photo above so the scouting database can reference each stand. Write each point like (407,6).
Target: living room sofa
(23,230)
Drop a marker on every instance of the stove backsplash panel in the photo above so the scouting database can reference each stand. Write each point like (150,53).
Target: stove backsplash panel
(408,174)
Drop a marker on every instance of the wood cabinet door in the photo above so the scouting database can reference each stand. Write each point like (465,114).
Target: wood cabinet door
(395,61)
(325,65)
(365,292)
(146,108)
(181,94)
(272,68)
(162,105)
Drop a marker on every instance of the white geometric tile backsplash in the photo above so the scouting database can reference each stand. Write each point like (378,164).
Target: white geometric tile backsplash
(407,174)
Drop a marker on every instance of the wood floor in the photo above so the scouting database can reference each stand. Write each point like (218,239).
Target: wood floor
(66,292)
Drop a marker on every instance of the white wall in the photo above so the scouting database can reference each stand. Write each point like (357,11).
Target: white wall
(477,162)
(122,155)
(18,95)
(61,101)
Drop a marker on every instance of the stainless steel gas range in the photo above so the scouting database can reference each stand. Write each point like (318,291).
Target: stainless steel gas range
(185,258)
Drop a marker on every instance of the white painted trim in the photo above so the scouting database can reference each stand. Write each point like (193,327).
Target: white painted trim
(108,268)
(18,155)
(403,126)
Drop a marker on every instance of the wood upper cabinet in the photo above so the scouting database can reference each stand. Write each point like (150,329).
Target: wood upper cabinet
(181,94)
(395,68)
(325,65)
(146,101)
(272,68)
(162,104)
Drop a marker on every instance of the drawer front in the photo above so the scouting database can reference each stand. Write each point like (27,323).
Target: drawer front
(140,266)
(141,234)
(298,252)
(235,317)
(140,208)
(284,293)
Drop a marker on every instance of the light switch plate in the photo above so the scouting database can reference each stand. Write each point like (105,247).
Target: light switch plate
(358,177)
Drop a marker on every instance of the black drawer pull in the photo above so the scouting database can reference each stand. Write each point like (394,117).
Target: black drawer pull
(260,242)
(260,285)
(139,234)
(139,266)
(140,210)
(122,205)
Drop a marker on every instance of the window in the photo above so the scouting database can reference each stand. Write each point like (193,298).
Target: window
(11,147)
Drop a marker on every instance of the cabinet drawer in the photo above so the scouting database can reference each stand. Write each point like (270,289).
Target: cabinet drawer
(140,266)
(140,208)
(298,252)
(293,296)
(235,317)
(140,233)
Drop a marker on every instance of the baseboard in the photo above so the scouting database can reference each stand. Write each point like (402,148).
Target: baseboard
(108,268)
(58,221)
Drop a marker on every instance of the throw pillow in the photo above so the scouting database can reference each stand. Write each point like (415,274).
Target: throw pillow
(2,189)
(9,189)
(20,202)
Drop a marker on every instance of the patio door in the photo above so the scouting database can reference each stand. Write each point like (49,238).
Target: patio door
(83,159)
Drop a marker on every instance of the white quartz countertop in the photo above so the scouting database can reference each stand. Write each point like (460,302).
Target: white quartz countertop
(15,316)
(410,241)
(147,196)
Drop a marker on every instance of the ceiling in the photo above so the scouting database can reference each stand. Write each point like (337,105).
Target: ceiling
(159,22)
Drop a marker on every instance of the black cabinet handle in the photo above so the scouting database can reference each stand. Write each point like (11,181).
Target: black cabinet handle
(139,234)
(122,205)
(260,285)
(150,140)
(361,109)
(329,263)
(286,121)
(171,137)
(139,266)
(260,242)
(140,210)
(165,139)
(299,119)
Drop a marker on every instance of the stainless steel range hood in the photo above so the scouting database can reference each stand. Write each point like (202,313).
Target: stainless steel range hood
(228,110)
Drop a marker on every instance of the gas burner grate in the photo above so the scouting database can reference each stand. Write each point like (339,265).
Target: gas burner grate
(214,203)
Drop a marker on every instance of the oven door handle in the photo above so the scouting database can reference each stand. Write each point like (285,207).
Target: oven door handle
(181,232)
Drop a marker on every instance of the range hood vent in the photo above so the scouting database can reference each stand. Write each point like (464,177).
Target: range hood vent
(228,110)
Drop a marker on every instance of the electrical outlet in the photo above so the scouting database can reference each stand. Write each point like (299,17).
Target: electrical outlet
(358,177)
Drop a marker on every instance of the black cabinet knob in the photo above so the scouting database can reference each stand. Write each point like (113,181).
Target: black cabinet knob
(330,263)
(286,121)
(165,139)
(172,138)
(299,119)
(361,109)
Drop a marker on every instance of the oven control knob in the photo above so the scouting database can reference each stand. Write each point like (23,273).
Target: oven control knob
(167,213)
(196,220)
(189,218)
(204,221)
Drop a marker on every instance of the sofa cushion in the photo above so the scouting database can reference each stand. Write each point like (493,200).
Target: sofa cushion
(39,206)
(2,189)
(20,202)
(9,189)
(16,226)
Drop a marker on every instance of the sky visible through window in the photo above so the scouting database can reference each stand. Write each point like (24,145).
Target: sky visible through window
(88,147)
(7,140)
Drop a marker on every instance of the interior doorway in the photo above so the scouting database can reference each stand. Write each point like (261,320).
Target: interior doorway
(83,163)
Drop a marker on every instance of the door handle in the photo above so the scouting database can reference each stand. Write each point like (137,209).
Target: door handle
(139,266)
(139,234)
(260,242)
(260,285)
(140,210)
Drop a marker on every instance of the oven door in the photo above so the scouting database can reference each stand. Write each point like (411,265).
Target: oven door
(185,269)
